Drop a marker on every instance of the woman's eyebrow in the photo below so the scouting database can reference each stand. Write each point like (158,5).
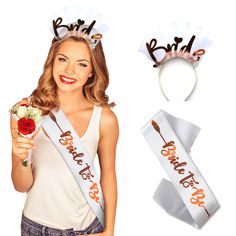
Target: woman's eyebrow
(61,54)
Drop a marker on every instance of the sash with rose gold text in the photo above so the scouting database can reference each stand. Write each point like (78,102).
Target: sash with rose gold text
(197,198)
(71,148)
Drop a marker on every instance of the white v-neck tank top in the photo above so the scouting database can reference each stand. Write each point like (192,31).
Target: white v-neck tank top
(55,199)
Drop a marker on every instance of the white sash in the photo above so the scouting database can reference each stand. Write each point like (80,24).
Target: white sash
(187,197)
(71,148)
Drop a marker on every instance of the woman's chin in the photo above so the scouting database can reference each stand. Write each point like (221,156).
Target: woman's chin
(65,89)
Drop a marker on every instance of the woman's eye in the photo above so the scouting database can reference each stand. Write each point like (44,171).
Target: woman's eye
(83,64)
(61,59)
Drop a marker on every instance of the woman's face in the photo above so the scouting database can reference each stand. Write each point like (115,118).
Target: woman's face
(72,66)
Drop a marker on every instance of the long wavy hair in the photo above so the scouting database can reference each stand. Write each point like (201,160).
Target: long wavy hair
(45,95)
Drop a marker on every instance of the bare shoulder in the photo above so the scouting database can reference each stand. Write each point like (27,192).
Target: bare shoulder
(108,116)
(22,102)
(109,121)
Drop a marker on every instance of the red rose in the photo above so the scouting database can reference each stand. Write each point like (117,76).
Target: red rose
(26,125)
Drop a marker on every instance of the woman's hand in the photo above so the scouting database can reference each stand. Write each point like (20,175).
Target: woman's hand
(21,146)
(22,176)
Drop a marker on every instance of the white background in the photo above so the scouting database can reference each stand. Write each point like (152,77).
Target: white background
(25,41)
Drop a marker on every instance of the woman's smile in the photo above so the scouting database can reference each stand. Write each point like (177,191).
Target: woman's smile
(67,80)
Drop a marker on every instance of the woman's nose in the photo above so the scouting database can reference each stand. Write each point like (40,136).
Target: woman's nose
(69,69)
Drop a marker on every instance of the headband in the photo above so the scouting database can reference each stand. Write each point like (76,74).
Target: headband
(79,22)
(177,40)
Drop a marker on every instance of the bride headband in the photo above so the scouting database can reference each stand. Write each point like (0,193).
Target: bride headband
(182,41)
(79,22)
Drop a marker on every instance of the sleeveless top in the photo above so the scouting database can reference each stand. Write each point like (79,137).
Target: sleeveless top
(55,199)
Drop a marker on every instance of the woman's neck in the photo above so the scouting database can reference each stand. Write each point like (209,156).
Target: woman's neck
(71,101)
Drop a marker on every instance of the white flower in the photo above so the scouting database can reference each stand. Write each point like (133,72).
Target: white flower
(21,110)
(37,113)
(33,113)
(27,112)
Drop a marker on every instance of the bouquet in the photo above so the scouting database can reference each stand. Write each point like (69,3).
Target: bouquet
(29,119)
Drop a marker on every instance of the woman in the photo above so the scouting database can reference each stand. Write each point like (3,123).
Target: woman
(74,79)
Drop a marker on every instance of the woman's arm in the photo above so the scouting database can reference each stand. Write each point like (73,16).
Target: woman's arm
(109,132)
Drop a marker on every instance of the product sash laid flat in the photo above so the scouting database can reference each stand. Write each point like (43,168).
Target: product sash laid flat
(71,148)
(187,197)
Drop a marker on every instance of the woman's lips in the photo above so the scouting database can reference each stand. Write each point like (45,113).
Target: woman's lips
(67,80)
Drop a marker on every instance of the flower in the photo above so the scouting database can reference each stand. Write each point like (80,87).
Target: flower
(28,120)
(26,126)
(21,111)
(26,111)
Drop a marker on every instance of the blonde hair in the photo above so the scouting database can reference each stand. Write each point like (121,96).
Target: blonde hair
(45,96)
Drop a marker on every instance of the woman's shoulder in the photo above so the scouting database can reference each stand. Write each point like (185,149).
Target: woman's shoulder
(108,116)
(108,121)
(24,101)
